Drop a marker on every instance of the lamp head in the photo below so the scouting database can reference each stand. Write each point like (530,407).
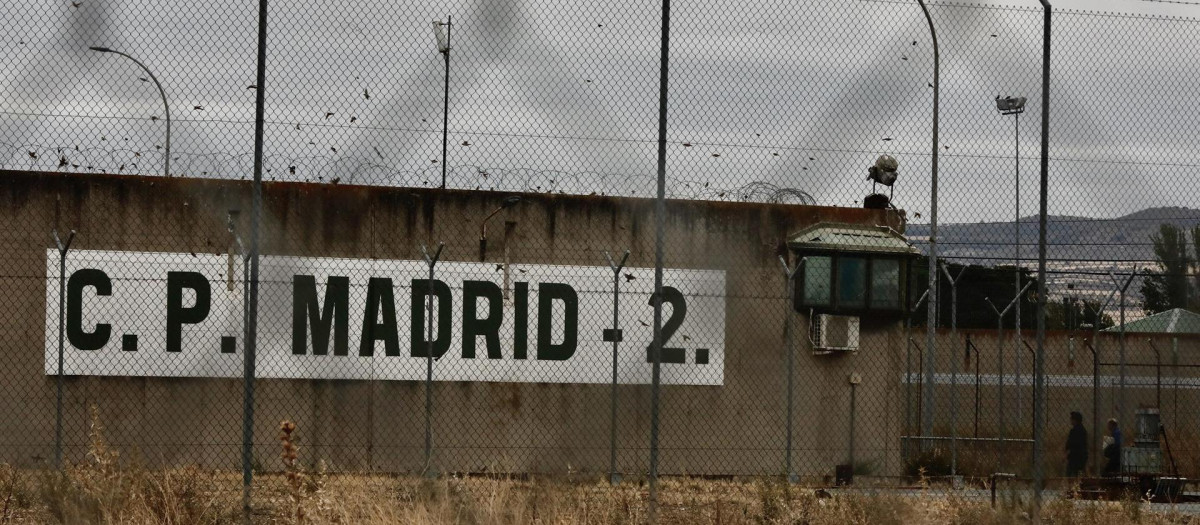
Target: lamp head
(884,170)
(439,33)
(101,49)
(1010,105)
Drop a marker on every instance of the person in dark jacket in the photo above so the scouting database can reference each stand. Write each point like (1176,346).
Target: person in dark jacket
(1112,449)
(1077,446)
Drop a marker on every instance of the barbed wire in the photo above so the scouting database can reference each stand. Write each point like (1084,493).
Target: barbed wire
(324,169)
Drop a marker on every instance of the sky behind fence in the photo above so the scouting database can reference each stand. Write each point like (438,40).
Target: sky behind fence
(800,97)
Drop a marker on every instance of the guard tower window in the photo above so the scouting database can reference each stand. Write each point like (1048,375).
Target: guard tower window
(852,282)
(885,284)
(851,269)
(818,272)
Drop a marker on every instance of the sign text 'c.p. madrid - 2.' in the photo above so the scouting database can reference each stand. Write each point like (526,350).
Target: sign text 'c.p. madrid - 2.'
(181,315)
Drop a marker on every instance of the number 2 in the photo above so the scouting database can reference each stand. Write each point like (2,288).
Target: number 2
(678,304)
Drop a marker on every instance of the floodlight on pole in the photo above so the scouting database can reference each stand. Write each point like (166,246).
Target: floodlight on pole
(1010,105)
(166,106)
(1015,106)
(441,33)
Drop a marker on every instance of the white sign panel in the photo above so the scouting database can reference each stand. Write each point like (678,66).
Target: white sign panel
(181,315)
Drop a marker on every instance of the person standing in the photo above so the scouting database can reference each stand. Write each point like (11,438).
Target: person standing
(1077,446)
(1112,449)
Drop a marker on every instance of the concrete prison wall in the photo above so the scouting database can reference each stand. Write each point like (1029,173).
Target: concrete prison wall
(154,334)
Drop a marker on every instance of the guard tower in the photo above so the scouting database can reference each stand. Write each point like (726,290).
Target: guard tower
(850,272)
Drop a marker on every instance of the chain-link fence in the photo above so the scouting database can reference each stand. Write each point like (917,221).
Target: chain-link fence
(470,309)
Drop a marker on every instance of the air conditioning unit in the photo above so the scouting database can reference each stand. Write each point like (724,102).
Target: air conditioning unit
(834,333)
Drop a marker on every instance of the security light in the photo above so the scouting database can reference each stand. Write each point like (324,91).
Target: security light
(1010,105)
(440,33)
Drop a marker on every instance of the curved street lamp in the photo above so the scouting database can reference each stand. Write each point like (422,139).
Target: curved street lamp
(166,106)
(507,203)
(931,317)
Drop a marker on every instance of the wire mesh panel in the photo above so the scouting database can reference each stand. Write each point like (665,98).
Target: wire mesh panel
(458,239)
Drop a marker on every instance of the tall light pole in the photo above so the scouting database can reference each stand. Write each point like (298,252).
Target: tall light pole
(1015,106)
(931,316)
(166,106)
(441,32)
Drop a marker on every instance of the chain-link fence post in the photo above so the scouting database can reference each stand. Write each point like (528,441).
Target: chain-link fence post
(1094,346)
(1096,466)
(63,248)
(614,335)
(954,371)
(431,261)
(660,210)
(1121,291)
(789,280)
(1039,369)
(248,364)
(1000,362)
(908,375)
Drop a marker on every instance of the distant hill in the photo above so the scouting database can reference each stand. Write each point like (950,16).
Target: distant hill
(1080,250)
(1068,238)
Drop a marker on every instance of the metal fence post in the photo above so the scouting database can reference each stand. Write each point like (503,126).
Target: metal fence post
(789,276)
(1000,358)
(908,376)
(1039,368)
(854,379)
(954,371)
(615,337)
(63,248)
(255,222)
(431,261)
(1097,314)
(660,209)
(1095,406)
(978,358)
(1122,288)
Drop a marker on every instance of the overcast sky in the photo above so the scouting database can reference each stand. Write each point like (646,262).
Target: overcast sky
(800,95)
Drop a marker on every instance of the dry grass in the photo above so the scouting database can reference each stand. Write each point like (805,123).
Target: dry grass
(103,490)
(87,494)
